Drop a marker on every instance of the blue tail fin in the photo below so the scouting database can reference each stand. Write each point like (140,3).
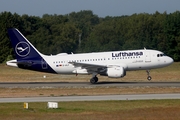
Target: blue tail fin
(28,57)
(22,47)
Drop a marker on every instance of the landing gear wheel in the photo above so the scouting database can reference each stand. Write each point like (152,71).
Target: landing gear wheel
(94,80)
(148,73)
(149,78)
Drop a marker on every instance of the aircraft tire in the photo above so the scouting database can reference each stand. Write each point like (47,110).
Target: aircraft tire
(94,80)
(149,78)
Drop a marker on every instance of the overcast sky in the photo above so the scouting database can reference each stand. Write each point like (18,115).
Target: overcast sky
(101,8)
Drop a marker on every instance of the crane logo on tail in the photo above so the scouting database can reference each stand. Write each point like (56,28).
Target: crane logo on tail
(22,49)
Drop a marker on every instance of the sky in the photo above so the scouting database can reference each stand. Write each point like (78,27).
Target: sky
(102,8)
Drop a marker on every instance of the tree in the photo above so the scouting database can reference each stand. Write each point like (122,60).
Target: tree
(7,20)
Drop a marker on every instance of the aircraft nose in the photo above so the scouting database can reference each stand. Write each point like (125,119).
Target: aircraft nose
(169,60)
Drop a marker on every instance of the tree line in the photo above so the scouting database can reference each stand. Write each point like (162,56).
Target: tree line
(83,31)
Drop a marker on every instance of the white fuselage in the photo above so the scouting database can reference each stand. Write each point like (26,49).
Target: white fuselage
(130,60)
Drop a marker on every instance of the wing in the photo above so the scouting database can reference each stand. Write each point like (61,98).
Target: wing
(90,68)
(86,68)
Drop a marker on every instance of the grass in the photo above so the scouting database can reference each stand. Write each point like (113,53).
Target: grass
(104,110)
(49,92)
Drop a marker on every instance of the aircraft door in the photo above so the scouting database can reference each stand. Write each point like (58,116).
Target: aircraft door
(43,64)
(147,56)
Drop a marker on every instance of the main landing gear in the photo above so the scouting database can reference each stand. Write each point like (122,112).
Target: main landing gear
(94,78)
(148,73)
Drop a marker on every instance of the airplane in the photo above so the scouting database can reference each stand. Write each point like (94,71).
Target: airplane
(113,64)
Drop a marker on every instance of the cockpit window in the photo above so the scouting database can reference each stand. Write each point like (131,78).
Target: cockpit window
(164,55)
(160,55)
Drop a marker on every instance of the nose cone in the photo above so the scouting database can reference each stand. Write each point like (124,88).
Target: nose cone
(169,61)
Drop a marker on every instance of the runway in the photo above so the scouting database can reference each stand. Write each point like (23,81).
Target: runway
(91,98)
(86,84)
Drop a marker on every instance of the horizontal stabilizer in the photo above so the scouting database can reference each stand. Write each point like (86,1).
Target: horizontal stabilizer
(12,63)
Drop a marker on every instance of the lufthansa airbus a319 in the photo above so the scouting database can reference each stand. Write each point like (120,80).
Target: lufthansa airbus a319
(112,64)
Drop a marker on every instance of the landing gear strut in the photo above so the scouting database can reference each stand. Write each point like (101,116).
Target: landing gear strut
(148,73)
(94,80)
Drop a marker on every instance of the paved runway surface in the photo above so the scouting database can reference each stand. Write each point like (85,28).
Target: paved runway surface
(86,84)
(92,98)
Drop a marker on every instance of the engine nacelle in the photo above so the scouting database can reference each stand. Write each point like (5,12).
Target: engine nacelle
(116,72)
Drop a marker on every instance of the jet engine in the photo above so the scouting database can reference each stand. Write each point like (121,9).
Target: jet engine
(116,72)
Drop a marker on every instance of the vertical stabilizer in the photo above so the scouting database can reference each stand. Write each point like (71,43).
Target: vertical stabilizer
(22,47)
(28,57)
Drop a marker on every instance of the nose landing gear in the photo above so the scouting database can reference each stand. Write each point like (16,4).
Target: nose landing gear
(148,73)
